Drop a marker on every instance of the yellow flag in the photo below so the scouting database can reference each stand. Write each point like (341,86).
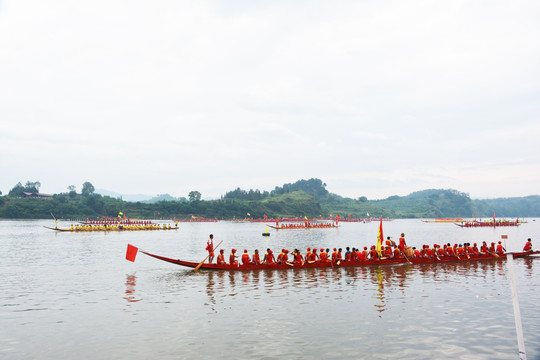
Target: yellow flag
(379,239)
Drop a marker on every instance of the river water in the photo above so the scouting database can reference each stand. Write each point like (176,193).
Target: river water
(71,295)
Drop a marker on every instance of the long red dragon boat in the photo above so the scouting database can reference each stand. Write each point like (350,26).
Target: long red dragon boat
(303,226)
(132,251)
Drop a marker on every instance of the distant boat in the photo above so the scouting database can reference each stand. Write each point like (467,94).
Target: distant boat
(443,220)
(491,223)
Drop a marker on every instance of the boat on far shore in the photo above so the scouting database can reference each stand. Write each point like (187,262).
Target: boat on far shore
(442,220)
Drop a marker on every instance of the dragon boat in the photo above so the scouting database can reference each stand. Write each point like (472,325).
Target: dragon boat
(488,223)
(303,226)
(132,251)
(112,228)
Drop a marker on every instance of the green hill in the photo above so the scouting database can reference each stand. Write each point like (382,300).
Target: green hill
(302,198)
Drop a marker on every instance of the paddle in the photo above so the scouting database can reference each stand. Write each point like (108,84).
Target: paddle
(406,258)
(202,262)
(55,221)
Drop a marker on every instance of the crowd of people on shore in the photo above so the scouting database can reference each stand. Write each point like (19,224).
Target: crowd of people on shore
(388,250)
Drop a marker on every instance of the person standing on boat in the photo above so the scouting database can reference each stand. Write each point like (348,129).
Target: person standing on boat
(402,242)
(528,246)
(210,248)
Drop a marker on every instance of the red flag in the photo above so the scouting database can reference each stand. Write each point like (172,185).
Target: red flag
(131,252)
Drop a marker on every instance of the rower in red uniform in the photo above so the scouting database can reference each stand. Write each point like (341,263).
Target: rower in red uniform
(500,249)
(280,256)
(359,255)
(397,253)
(298,259)
(484,248)
(314,257)
(256,259)
(387,252)
(450,250)
(269,257)
(528,246)
(365,253)
(334,255)
(285,256)
(245,258)
(323,255)
(221,257)
(210,248)
(416,252)
(474,249)
(440,251)
(338,256)
(308,254)
(491,249)
(348,254)
(232,257)
(373,255)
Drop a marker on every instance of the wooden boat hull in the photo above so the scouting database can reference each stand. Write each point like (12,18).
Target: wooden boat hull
(318,264)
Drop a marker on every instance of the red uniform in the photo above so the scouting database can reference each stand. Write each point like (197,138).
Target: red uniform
(334,255)
(323,256)
(401,245)
(221,258)
(256,259)
(245,258)
(500,249)
(397,254)
(232,258)
(210,249)
(528,246)
(269,257)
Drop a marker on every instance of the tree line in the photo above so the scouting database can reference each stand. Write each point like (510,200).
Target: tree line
(302,198)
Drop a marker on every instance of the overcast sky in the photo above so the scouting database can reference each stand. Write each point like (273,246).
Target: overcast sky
(375,98)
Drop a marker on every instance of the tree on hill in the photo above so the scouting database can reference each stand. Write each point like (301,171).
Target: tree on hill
(87,188)
(314,187)
(30,187)
(194,196)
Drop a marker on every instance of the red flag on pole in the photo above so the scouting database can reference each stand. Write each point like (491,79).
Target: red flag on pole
(131,252)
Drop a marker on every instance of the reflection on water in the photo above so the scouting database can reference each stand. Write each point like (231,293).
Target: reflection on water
(131,282)
(386,285)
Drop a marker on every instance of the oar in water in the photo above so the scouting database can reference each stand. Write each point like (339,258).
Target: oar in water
(202,262)
(406,258)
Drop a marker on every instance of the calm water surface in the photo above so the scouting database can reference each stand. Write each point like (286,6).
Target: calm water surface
(65,296)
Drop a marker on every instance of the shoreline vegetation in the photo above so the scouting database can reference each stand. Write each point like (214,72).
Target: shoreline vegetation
(304,199)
